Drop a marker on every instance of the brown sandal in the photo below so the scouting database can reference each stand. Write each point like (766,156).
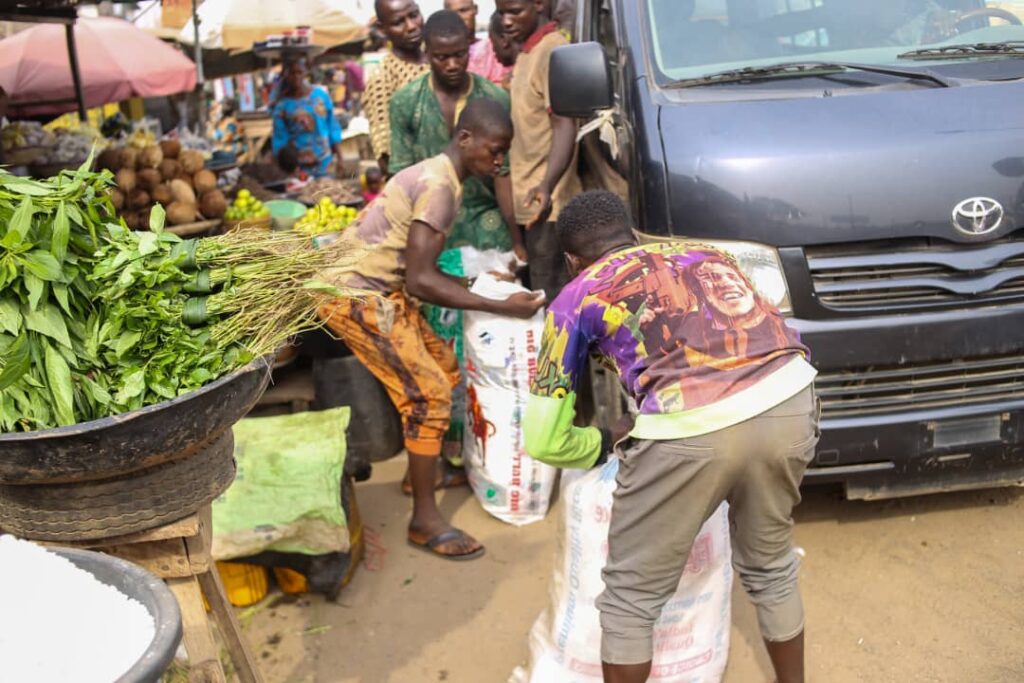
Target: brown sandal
(431,546)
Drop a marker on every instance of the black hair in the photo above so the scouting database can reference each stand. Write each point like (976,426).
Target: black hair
(288,158)
(444,24)
(485,116)
(373,171)
(593,222)
(495,25)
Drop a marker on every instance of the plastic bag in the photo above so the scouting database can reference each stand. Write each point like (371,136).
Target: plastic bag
(691,639)
(286,495)
(501,360)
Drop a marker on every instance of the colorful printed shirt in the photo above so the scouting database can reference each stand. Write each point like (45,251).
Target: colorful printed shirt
(309,124)
(483,62)
(419,131)
(429,192)
(391,75)
(693,342)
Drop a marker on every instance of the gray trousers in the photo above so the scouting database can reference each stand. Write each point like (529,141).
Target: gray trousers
(667,489)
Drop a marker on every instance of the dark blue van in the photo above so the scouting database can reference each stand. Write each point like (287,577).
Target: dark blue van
(864,161)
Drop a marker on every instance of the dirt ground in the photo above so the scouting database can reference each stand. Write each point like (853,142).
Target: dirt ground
(921,589)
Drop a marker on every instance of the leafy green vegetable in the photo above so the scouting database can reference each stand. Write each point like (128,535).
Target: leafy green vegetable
(93,315)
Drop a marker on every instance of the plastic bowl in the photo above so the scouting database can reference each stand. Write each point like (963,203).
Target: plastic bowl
(155,596)
(284,213)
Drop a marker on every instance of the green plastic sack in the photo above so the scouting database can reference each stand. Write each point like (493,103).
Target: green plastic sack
(287,492)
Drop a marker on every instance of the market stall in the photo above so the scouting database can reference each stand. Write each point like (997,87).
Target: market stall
(115,60)
(125,359)
(237,24)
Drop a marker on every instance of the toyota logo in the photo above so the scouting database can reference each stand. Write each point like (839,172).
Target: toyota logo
(977,216)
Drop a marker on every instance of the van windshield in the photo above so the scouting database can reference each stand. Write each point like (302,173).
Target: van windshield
(695,38)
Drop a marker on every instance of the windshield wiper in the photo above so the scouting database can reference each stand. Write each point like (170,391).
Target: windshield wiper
(800,69)
(1010,48)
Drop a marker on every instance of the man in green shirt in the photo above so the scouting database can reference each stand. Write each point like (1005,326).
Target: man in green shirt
(423,114)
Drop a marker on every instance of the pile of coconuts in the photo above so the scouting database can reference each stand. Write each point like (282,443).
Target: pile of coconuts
(162,174)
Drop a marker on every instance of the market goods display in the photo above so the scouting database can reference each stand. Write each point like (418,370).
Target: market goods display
(254,188)
(326,216)
(263,173)
(97,320)
(162,173)
(25,134)
(73,145)
(59,623)
(246,206)
(335,190)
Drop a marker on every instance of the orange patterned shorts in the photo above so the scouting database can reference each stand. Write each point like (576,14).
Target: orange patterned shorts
(418,370)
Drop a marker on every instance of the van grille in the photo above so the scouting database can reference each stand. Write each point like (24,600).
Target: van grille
(870,391)
(917,276)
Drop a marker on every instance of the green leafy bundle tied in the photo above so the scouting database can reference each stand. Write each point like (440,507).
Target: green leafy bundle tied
(96,319)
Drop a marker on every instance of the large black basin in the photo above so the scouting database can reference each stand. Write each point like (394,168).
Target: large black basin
(136,440)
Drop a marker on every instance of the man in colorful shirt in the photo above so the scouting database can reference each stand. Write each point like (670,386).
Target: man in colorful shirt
(402,24)
(423,115)
(726,411)
(402,234)
(543,154)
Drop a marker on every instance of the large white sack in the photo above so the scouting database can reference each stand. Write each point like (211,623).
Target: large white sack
(501,360)
(691,639)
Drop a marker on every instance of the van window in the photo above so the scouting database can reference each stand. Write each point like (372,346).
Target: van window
(694,38)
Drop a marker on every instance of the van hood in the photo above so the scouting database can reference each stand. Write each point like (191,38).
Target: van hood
(856,167)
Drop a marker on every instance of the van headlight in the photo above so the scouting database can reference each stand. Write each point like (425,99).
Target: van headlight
(759,262)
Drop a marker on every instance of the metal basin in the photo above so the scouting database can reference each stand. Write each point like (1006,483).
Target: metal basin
(125,443)
(138,584)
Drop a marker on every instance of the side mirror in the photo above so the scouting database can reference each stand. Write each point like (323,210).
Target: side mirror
(579,80)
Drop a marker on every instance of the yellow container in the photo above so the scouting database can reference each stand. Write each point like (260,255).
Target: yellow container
(245,584)
(290,581)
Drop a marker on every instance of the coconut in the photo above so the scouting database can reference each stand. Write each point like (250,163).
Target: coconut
(162,194)
(169,169)
(180,213)
(192,161)
(170,148)
(148,178)
(213,204)
(204,181)
(129,158)
(182,192)
(110,159)
(151,156)
(117,198)
(138,199)
(125,179)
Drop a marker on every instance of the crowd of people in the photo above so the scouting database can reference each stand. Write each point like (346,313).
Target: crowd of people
(725,410)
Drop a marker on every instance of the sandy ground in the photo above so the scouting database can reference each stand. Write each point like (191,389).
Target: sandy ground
(921,589)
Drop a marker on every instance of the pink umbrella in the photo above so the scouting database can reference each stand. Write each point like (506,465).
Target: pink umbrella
(116,61)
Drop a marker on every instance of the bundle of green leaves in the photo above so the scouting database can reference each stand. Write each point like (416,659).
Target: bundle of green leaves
(96,319)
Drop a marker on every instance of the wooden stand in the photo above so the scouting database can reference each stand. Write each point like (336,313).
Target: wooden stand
(179,553)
